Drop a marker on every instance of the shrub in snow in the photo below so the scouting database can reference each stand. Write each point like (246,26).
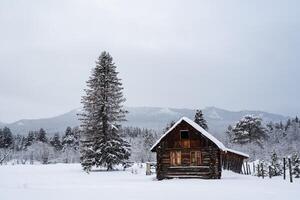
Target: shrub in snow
(262,169)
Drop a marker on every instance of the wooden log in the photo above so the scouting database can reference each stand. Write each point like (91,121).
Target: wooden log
(284,168)
(290,169)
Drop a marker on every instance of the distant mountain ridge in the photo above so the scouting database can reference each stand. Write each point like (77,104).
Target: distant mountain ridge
(145,117)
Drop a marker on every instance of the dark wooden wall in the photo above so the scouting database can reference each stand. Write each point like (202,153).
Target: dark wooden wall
(232,161)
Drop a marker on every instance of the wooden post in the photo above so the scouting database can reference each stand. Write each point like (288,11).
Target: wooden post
(148,169)
(258,170)
(262,170)
(290,169)
(270,171)
(247,168)
(244,168)
(284,162)
(253,168)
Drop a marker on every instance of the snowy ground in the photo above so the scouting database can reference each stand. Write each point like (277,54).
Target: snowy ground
(68,181)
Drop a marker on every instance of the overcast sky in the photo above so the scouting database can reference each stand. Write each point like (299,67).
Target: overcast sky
(186,54)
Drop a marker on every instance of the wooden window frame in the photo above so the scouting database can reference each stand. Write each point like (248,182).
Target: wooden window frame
(198,158)
(175,158)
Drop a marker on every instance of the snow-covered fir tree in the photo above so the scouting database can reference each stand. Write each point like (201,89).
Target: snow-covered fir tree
(101,143)
(199,119)
(69,146)
(249,130)
(56,142)
(30,139)
(276,169)
(6,138)
(41,136)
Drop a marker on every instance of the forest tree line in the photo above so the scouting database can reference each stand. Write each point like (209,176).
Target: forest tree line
(42,147)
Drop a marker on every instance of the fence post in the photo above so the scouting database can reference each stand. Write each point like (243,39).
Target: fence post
(270,171)
(247,168)
(284,175)
(244,168)
(258,171)
(253,168)
(290,169)
(262,170)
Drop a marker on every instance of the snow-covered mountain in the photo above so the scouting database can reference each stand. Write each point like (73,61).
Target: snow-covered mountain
(144,117)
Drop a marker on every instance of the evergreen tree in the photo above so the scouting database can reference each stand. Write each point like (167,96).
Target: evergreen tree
(288,124)
(69,138)
(228,135)
(56,142)
(199,119)
(1,139)
(296,164)
(41,136)
(149,140)
(30,139)
(169,125)
(249,130)
(101,143)
(275,165)
(297,119)
(19,143)
(6,138)
(76,133)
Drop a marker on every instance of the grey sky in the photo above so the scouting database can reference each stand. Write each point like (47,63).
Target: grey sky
(230,54)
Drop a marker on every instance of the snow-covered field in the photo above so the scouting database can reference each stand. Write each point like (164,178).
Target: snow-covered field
(68,181)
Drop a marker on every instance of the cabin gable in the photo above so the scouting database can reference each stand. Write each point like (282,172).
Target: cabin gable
(195,139)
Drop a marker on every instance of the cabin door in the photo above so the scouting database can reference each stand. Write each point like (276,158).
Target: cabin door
(175,158)
(196,158)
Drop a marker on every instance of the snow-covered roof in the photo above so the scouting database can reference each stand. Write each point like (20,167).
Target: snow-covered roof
(237,152)
(198,128)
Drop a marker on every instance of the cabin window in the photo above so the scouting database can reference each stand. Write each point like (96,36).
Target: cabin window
(175,158)
(185,139)
(184,135)
(196,158)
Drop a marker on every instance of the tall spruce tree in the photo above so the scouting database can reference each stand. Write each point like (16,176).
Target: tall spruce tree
(199,119)
(103,112)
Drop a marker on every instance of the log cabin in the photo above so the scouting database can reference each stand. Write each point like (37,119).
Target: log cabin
(186,150)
